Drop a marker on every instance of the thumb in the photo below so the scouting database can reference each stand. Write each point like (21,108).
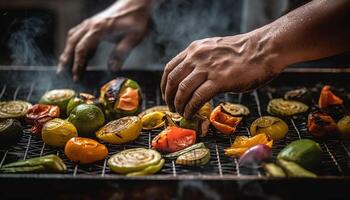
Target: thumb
(122,50)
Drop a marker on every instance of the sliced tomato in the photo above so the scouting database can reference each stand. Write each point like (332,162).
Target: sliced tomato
(327,98)
(129,99)
(174,139)
(223,122)
(39,114)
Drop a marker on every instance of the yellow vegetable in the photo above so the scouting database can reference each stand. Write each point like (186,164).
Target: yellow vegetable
(152,120)
(57,132)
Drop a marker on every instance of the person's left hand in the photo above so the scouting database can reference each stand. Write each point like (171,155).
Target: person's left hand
(213,65)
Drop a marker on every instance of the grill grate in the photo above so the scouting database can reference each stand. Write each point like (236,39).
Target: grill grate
(335,158)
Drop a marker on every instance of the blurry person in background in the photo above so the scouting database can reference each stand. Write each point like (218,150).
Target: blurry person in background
(210,66)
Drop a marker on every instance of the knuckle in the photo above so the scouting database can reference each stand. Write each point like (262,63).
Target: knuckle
(182,87)
(71,32)
(171,79)
(63,59)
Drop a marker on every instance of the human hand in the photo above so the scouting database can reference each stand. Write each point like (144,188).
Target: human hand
(214,65)
(125,21)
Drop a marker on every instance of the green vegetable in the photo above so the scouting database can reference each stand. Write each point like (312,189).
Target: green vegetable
(195,157)
(236,110)
(292,169)
(82,98)
(281,107)
(344,127)
(152,169)
(274,170)
(303,95)
(10,132)
(14,109)
(49,163)
(198,123)
(305,152)
(59,98)
(176,154)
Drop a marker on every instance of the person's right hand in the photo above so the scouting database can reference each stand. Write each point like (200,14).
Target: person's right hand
(125,21)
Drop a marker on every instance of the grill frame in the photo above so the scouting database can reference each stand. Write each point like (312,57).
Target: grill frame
(290,78)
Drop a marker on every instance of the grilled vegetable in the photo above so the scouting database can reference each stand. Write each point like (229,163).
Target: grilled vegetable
(162,109)
(196,157)
(174,139)
(302,95)
(205,110)
(57,132)
(243,143)
(344,127)
(10,132)
(153,120)
(59,98)
(281,107)
(327,98)
(198,123)
(304,152)
(255,156)
(39,114)
(13,109)
(137,161)
(121,97)
(274,127)
(292,169)
(183,151)
(274,170)
(82,98)
(49,163)
(236,110)
(85,150)
(321,125)
(120,131)
(87,119)
(223,122)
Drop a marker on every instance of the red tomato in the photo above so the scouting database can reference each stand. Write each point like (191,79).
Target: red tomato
(39,114)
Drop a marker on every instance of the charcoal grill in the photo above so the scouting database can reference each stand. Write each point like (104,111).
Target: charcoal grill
(221,173)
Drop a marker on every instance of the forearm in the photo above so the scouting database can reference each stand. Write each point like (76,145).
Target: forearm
(128,6)
(315,30)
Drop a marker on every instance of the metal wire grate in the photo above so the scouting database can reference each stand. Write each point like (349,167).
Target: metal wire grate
(335,159)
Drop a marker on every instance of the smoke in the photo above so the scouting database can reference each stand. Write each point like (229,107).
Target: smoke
(23,46)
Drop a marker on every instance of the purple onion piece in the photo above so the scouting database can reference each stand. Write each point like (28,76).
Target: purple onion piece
(255,156)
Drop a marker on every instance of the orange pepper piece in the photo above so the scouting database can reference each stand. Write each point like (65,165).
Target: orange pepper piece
(327,98)
(129,99)
(85,150)
(223,122)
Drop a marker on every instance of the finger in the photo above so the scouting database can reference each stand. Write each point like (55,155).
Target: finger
(203,94)
(174,78)
(122,50)
(168,68)
(186,89)
(74,37)
(83,50)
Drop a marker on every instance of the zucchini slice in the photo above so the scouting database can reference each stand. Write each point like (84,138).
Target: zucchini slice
(58,97)
(196,157)
(236,110)
(281,107)
(301,94)
(14,109)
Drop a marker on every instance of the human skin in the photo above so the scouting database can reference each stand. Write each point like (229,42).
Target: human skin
(243,62)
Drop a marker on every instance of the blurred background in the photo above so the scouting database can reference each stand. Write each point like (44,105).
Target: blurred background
(33,32)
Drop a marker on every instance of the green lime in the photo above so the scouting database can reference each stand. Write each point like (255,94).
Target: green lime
(87,119)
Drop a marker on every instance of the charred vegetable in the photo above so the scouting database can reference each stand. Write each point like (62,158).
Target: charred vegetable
(82,98)
(274,127)
(223,122)
(59,98)
(205,110)
(87,119)
(39,114)
(281,107)
(292,169)
(162,109)
(183,151)
(302,95)
(236,110)
(153,120)
(304,152)
(14,109)
(85,150)
(198,123)
(255,156)
(243,143)
(10,132)
(174,139)
(120,131)
(136,162)
(321,125)
(121,97)
(196,157)
(49,163)
(327,98)
(57,132)
(344,127)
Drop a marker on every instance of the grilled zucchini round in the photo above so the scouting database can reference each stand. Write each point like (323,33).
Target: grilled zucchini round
(281,107)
